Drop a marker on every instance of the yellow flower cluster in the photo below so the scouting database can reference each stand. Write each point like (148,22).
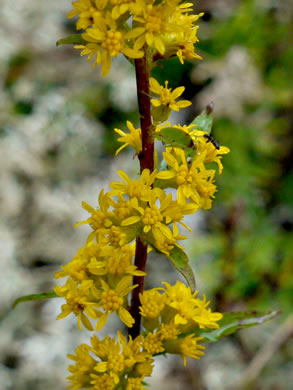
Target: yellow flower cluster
(97,286)
(170,319)
(167,28)
(194,180)
(100,275)
(110,364)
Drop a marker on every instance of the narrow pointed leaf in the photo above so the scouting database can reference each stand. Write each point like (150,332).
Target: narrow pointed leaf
(75,39)
(204,121)
(180,262)
(231,322)
(35,297)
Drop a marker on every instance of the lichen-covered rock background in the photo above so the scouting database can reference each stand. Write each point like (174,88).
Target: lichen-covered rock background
(56,149)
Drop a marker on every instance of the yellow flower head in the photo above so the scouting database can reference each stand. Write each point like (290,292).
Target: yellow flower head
(186,43)
(86,10)
(193,181)
(100,218)
(132,139)
(169,331)
(140,189)
(152,303)
(178,294)
(119,261)
(145,368)
(120,7)
(189,309)
(152,343)
(167,97)
(113,363)
(103,381)
(106,40)
(76,268)
(151,218)
(78,302)
(204,317)
(153,22)
(123,208)
(112,300)
(114,236)
(119,357)
(134,384)
(209,151)
(132,350)
(79,267)
(151,222)
(189,347)
(175,212)
(126,26)
(84,365)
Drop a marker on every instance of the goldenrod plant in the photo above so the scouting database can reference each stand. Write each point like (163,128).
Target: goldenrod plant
(106,276)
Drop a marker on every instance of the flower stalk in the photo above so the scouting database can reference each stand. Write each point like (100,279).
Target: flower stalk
(146,156)
(137,214)
(146,160)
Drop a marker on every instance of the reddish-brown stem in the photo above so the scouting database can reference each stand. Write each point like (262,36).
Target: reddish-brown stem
(146,159)
(140,262)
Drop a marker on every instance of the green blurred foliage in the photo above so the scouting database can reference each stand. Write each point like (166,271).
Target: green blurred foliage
(247,256)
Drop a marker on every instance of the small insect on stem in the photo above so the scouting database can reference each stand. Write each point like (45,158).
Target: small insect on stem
(211,139)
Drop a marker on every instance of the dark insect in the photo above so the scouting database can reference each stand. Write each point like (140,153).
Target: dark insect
(211,139)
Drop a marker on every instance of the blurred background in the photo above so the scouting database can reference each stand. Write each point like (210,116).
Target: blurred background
(57,148)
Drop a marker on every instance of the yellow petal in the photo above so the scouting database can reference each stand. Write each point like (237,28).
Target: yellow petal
(106,63)
(102,321)
(130,220)
(170,160)
(177,92)
(139,43)
(224,150)
(72,13)
(91,312)
(124,176)
(123,284)
(87,207)
(126,317)
(149,37)
(86,322)
(101,367)
(166,175)
(132,53)
(159,45)
(155,86)
(135,32)
(183,103)
(63,314)
(95,34)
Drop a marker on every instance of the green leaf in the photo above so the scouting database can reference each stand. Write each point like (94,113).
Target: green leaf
(75,39)
(35,297)
(231,322)
(204,121)
(180,262)
(176,138)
